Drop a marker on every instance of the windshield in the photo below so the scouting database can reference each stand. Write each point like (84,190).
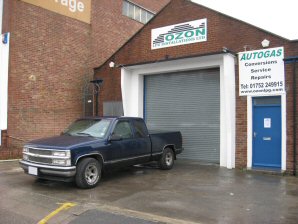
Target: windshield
(92,128)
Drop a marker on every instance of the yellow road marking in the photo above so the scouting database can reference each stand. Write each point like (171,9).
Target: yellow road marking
(63,206)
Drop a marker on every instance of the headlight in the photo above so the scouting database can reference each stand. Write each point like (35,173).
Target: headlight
(25,150)
(61,162)
(61,154)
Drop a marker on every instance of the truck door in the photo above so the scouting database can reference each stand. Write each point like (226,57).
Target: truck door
(126,145)
(134,145)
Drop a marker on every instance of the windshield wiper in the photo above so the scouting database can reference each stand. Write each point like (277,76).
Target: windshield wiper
(84,133)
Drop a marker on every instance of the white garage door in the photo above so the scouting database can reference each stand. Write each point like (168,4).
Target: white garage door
(189,102)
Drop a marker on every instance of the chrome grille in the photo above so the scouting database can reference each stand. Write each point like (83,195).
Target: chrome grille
(37,155)
(40,160)
(40,151)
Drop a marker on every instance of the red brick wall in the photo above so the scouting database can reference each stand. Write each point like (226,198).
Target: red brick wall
(291,50)
(223,31)
(110,29)
(51,59)
(290,106)
(153,6)
(111,32)
(7,6)
(3,139)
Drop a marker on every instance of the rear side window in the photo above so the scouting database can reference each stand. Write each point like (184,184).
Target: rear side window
(123,129)
(140,129)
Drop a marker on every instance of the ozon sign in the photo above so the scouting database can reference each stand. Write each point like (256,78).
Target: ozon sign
(77,9)
(179,34)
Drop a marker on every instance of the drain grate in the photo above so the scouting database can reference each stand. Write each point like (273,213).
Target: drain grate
(95,217)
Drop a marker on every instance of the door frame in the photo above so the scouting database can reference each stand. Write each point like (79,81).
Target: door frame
(132,88)
(256,149)
(283,131)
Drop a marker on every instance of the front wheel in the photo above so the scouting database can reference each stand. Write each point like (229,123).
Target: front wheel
(88,173)
(166,161)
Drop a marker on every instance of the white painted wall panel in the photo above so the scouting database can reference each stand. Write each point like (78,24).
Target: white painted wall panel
(4,61)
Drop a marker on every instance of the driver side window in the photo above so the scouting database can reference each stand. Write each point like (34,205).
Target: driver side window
(123,129)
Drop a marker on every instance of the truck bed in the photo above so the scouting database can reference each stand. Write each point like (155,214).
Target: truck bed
(161,138)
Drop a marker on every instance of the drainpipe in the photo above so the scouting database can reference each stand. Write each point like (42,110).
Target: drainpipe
(295,119)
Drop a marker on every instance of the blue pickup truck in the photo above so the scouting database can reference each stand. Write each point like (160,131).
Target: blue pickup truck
(89,146)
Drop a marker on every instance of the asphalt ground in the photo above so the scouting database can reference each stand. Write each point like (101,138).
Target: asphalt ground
(189,193)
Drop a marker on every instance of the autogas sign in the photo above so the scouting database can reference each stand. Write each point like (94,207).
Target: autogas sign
(261,72)
(179,34)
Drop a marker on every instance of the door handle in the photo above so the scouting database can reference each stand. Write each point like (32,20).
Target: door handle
(255,134)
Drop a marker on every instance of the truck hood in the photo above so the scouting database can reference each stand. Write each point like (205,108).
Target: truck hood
(63,142)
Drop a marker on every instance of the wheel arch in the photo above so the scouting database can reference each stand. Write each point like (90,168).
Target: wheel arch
(96,156)
(171,146)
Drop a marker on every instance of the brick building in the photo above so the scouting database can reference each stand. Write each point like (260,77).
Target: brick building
(48,56)
(227,85)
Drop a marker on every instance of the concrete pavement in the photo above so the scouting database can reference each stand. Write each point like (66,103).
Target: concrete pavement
(189,193)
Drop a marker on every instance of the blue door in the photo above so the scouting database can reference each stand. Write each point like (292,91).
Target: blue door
(267,132)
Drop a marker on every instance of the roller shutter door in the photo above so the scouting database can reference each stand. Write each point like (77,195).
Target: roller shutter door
(189,102)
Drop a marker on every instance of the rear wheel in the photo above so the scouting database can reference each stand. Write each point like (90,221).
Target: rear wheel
(166,161)
(88,173)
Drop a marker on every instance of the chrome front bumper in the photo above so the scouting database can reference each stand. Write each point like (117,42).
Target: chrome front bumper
(47,170)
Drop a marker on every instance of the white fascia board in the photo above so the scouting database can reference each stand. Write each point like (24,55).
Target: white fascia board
(249,132)
(284,132)
(229,101)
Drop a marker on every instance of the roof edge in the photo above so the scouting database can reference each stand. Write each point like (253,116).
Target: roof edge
(182,57)
(295,40)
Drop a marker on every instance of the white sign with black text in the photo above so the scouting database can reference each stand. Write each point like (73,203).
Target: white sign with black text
(179,34)
(261,72)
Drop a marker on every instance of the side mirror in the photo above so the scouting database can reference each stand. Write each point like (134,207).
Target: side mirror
(114,137)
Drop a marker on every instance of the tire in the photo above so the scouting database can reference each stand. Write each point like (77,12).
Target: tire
(88,173)
(166,161)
